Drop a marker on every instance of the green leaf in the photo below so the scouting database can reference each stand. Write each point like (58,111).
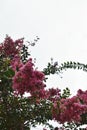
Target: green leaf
(9,73)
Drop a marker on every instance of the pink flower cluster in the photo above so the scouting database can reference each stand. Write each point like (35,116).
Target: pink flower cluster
(82,95)
(53,94)
(10,47)
(68,110)
(50,94)
(28,80)
(16,63)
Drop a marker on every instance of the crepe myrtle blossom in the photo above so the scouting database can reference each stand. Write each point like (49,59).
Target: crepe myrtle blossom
(10,47)
(27,79)
(82,95)
(68,110)
(52,94)
(49,94)
(16,63)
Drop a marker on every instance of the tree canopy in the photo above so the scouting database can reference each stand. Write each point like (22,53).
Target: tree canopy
(18,76)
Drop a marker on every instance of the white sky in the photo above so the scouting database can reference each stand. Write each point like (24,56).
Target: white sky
(61,26)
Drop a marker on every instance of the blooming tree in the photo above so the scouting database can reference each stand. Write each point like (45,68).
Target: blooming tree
(19,76)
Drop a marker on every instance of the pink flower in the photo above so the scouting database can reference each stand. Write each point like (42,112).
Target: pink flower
(53,94)
(82,95)
(16,63)
(10,47)
(28,80)
(69,110)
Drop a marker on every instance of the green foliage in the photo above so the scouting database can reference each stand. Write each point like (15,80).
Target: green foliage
(66,93)
(24,54)
(51,69)
(9,73)
(56,69)
(73,65)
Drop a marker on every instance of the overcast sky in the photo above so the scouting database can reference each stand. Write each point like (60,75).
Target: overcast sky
(61,26)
